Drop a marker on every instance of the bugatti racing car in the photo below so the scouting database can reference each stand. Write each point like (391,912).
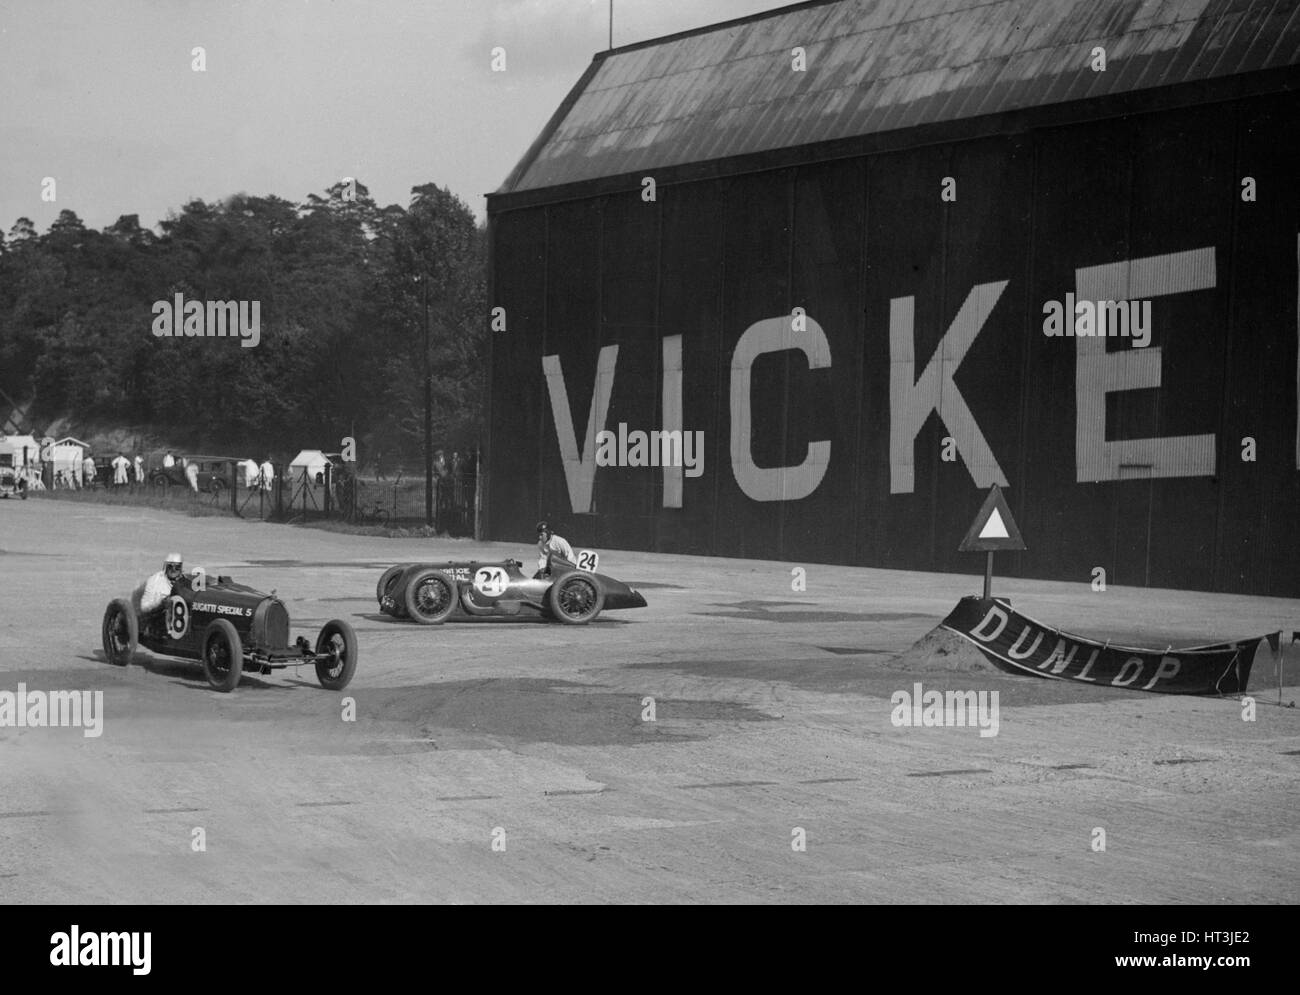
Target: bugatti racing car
(431,593)
(230,628)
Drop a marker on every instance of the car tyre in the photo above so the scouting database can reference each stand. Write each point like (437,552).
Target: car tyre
(575,599)
(430,596)
(388,581)
(121,632)
(339,640)
(223,655)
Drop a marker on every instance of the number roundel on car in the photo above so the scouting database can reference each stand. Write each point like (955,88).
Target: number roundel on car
(178,617)
(588,559)
(490,581)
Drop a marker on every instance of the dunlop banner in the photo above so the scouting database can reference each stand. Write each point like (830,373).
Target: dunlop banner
(1013,641)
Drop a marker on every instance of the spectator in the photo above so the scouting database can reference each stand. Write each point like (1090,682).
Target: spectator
(88,471)
(139,469)
(169,459)
(266,474)
(192,475)
(379,466)
(121,470)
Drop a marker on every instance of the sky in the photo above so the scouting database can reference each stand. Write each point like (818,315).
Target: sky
(103,96)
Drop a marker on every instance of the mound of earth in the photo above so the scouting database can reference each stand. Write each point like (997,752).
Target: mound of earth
(942,649)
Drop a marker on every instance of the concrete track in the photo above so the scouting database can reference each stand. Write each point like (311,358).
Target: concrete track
(772,715)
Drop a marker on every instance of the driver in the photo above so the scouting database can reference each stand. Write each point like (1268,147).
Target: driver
(549,544)
(155,591)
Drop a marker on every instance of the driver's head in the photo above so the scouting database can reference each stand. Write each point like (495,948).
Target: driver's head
(174,566)
(543,531)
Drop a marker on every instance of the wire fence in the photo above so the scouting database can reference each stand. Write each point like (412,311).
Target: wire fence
(299,494)
(334,494)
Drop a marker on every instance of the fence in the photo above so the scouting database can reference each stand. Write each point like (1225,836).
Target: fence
(343,496)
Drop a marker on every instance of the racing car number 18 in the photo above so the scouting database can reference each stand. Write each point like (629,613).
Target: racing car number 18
(178,617)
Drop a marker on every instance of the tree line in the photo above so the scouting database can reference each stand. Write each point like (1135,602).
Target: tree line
(342,285)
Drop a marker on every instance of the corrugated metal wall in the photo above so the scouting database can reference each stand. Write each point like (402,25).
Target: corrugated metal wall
(866,245)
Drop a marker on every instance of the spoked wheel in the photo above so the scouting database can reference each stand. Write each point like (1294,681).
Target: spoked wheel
(340,642)
(121,633)
(575,599)
(223,656)
(430,597)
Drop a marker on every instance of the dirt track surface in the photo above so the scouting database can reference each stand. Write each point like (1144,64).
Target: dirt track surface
(772,715)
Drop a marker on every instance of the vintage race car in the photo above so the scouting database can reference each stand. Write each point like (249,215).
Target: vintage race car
(431,593)
(230,628)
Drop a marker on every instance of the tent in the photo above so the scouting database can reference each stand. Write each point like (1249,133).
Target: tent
(313,461)
(66,454)
(12,447)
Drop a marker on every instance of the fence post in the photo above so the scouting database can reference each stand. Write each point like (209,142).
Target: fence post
(478,492)
(234,488)
(329,483)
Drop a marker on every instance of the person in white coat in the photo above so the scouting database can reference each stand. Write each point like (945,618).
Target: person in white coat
(121,471)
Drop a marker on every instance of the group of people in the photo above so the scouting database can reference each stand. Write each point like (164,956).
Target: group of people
(121,472)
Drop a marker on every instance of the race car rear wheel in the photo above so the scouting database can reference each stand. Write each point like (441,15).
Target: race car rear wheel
(388,581)
(121,632)
(575,599)
(223,655)
(430,596)
(340,642)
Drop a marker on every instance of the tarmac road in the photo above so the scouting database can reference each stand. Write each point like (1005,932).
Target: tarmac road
(772,716)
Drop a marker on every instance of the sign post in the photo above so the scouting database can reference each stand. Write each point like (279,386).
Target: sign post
(994,528)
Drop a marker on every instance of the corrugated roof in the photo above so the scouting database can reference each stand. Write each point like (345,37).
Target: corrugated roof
(882,65)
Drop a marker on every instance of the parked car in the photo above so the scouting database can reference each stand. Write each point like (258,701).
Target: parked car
(214,473)
(12,483)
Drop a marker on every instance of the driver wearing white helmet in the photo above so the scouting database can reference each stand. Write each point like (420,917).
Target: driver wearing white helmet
(155,591)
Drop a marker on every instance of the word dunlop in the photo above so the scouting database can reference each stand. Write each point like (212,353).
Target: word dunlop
(219,319)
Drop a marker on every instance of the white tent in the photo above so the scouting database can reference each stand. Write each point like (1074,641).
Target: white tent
(313,461)
(66,455)
(13,446)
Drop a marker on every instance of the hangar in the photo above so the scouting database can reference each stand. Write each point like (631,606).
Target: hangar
(827,238)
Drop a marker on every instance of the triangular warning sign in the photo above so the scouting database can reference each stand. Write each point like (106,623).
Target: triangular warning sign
(993,528)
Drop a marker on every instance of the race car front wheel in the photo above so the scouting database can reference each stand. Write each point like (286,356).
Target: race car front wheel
(430,596)
(223,656)
(338,641)
(575,599)
(121,632)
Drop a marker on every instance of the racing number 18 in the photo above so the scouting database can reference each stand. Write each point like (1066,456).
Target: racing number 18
(178,617)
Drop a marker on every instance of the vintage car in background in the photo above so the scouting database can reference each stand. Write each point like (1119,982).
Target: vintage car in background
(11,482)
(231,629)
(214,473)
